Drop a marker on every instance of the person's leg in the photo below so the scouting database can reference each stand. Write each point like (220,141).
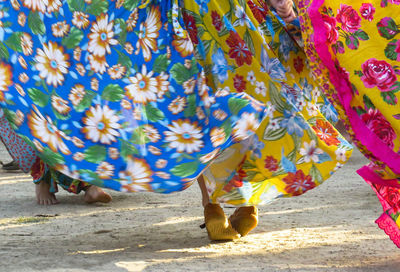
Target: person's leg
(44,196)
(204,194)
(218,226)
(95,194)
(243,220)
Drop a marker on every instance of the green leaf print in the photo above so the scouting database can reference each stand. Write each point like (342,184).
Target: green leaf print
(193,68)
(36,24)
(387,28)
(127,149)
(316,174)
(153,114)
(10,116)
(390,50)
(227,126)
(76,5)
(243,4)
(358,73)
(389,97)
(276,97)
(200,31)
(352,42)
(73,39)
(126,61)
(50,157)
(161,63)
(249,41)
(362,35)
(248,165)
(207,46)
(14,41)
(185,169)
(139,137)
(95,154)
(274,135)
(180,73)
(231,11)
(360,111)
(297,141)
(250,175)
(97,7)
(123,33)
(368,103)
(38,97)
(395,216)
(224,31)
(131,4)
(313,120)
(190,110)
(292,155)
(4,54)
(236,104)
(311,134)
(86,101)
(61,116)
(113,93)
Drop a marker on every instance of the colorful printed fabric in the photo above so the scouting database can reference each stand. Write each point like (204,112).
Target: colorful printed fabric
(21,152)
(41,172)
(29,162)
(146,96)
(245,48)
(354,50)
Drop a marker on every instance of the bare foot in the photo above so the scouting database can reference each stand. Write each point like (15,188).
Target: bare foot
(43,195)
(94,194)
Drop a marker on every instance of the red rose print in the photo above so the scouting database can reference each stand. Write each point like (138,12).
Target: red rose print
(367,11)
(378,73)
(392,196)
(330,26)
(349,18)
(377,123)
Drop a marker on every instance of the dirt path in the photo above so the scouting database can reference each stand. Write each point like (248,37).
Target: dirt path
(329,229)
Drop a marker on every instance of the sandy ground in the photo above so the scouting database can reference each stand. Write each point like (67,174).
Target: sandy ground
(329,229)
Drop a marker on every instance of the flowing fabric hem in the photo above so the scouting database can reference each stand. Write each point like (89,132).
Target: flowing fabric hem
(386,223)
(367,174)
(341,81)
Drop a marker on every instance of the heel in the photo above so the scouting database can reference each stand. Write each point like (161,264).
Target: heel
(244,219)
(217,225)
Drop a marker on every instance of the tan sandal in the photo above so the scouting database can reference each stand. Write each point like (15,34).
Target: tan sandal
(217,225)
(244,219)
